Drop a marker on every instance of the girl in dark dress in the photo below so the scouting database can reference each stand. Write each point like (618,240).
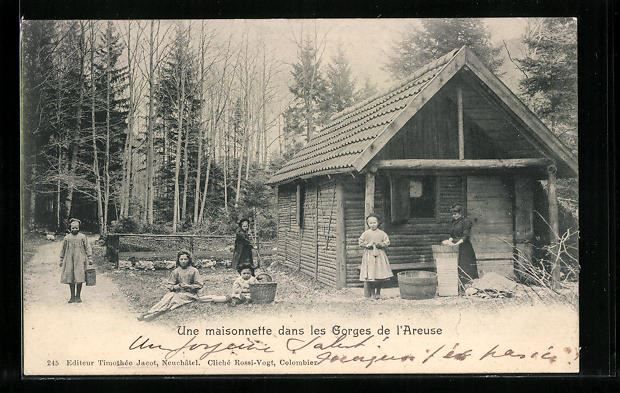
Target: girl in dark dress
(242,256)
(459,235)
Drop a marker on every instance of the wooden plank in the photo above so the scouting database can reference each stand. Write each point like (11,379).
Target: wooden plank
(513,163)
(459,99)
(341,248)
(524,209)
(299,205)
(369,195)
(316,232)
(516,107)
(554,225)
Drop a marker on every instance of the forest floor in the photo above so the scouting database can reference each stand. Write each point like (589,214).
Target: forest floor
(135,291)
(105,324)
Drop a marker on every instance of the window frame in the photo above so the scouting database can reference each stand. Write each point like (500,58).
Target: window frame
(435,216)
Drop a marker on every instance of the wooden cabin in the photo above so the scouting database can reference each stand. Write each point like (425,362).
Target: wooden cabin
(452,133)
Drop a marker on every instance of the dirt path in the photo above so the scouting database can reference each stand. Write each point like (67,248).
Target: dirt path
(55,330)
(43,290)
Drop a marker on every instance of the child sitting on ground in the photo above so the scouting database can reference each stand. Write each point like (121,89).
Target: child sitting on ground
(183,284)
(241,286)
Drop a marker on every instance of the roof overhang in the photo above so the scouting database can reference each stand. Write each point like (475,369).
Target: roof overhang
(466,59)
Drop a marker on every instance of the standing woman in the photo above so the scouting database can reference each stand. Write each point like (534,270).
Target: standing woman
(459,235)
(242,256)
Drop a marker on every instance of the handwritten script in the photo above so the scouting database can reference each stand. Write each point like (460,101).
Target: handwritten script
(343,349)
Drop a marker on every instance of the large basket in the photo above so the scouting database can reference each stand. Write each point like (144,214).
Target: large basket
(447,264)
(263,292)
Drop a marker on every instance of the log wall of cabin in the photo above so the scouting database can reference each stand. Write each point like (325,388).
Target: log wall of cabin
(411,241)
(431,133)
(311,248)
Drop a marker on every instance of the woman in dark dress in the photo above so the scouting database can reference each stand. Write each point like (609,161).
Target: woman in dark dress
(459,235)
(242,256)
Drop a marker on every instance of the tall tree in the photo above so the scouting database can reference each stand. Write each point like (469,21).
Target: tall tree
(340,83)
(93,125)
(203,69)
(78,35)
(177,113)
(155,54)
(149,194)
(368,89)
(306,113)
(37,86)
(550,67)
(436,37)
(132,39)
(181,44)
(112,86)
(220,93)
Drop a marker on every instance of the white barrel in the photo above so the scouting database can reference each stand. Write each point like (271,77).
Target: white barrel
(446,263)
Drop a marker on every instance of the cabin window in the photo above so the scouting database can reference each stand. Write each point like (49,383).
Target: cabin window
(422,197)
(300,199)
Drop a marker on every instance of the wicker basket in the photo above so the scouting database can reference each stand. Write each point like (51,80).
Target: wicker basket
(263,292)
(263,277)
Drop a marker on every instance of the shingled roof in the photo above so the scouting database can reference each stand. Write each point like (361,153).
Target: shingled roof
(356,134)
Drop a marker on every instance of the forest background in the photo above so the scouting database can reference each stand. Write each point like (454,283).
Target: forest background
(175,126)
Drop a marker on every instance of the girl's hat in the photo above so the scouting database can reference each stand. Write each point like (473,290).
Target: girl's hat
(72,220)
(456,208)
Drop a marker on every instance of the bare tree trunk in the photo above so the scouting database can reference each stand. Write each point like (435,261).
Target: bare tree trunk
(177,165)
(263,128)
(257,139)
(226,167)
(94,128)
(148,201)
(240,168)
(185,173)
(150,170)
(33,193)
(249,145)
(211,154)
(106,201)
(58,189)
(60,141)
(200,125)
(198,167)
(279,135)
(128,156)
(72,165)
(185,153)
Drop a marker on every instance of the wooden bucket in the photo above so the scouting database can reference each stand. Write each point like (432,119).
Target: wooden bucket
(417,284)
(91,277)
(447,265)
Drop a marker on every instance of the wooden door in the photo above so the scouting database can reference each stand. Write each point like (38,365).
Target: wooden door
(490,207)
